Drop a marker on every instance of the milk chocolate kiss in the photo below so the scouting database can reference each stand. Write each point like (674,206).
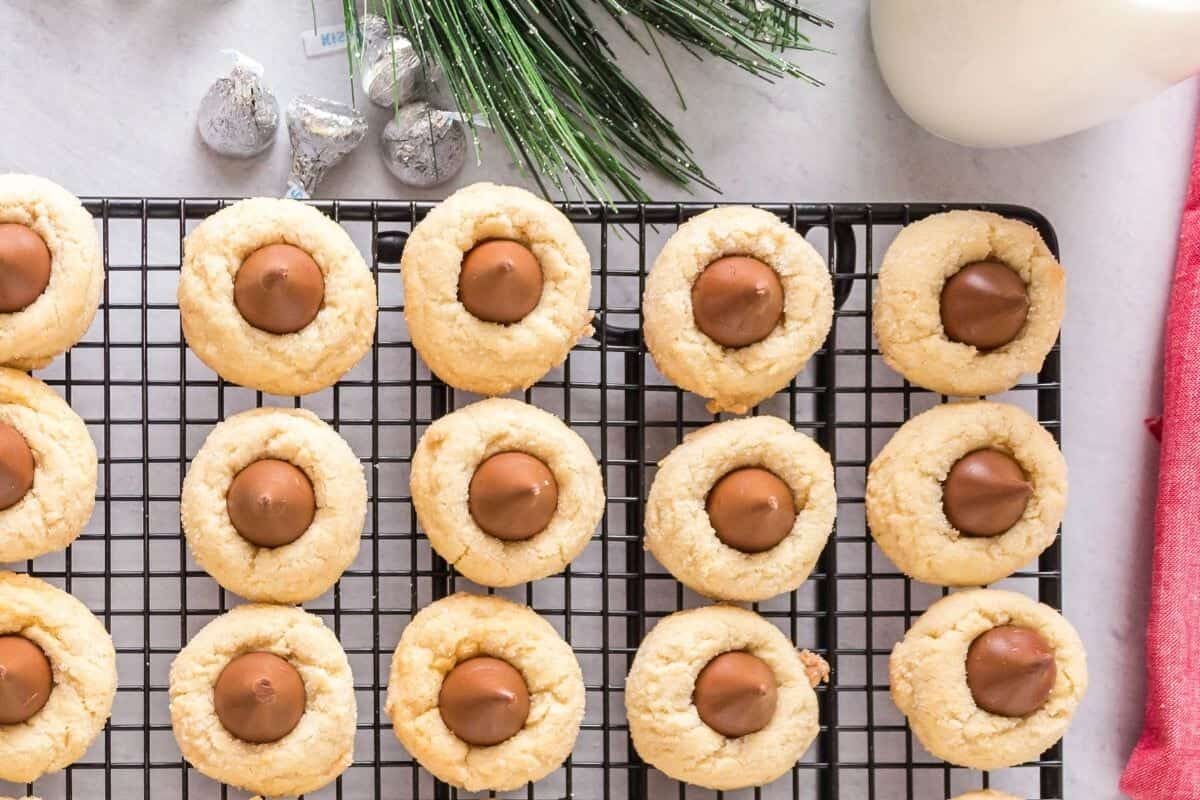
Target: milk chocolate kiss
(484,701)
(512,496)
(985,493)
(271,503)
(26,679)
(500,281)
(279,289)
(736,694)
(751,509)
(737,301)
(16,466)
(259,697)
(984,304)
(1010,671)
(24,267)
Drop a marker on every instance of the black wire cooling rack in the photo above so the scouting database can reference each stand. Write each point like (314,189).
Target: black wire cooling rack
(149,403)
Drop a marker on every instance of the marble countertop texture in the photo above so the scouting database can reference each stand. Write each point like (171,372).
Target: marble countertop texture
(101,97)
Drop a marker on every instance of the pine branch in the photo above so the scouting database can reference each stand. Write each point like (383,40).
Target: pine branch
(548,82)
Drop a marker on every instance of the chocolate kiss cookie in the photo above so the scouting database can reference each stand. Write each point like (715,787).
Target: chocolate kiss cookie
(987,678)
(51,272)
(966,493)
(968,302)
(736,302)
(274,295)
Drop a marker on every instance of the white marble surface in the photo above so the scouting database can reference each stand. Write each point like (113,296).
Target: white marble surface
(101,97)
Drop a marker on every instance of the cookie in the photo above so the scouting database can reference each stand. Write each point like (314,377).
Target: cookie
(736,303)
(258,560)
(986,794)
(52,271)
(768,487)
(54,627)
(274,295)
(943,676)
(506,492)
(672,699)
(48,469)
(442,641)
(496,288)
(966,493)
(968,302)
(320,744)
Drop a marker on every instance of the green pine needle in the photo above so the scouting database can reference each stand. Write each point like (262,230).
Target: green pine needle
(546,80)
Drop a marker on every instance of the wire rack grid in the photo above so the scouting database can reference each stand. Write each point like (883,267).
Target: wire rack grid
(149,403)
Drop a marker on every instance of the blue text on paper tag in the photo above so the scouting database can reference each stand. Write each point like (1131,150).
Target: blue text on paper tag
(324,40)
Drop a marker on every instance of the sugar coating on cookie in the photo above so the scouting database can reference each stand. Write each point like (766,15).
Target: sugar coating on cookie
(666,725)
(455,629)
(479,354)
(60,501)
(60,314)
(305,567)
(449,455)
(908,309)
(84,664)
(736,378)
(905,497)
(316,751)
(218,331)
(929,680)
(679,529)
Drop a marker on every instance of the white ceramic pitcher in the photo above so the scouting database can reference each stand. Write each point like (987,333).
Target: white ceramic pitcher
(1001,73)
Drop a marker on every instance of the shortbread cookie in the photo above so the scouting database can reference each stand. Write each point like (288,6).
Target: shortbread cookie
(52,641)
(48,469)
(678,690)
(1033,676)
(315,477)
(968,301)
(506,492)
(496,288)
(966,493)
(741,510)
(51,271)
(735,305)
(274,295)
(492,671)
(312,750)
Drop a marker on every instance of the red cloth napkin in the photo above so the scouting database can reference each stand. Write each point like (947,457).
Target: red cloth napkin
(1165,765)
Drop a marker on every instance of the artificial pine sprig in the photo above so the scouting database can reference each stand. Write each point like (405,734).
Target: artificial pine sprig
(546,80)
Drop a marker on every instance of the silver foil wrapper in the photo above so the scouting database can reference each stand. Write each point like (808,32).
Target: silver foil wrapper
(239,114)
(323,132)
(392,72)
(424,146)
